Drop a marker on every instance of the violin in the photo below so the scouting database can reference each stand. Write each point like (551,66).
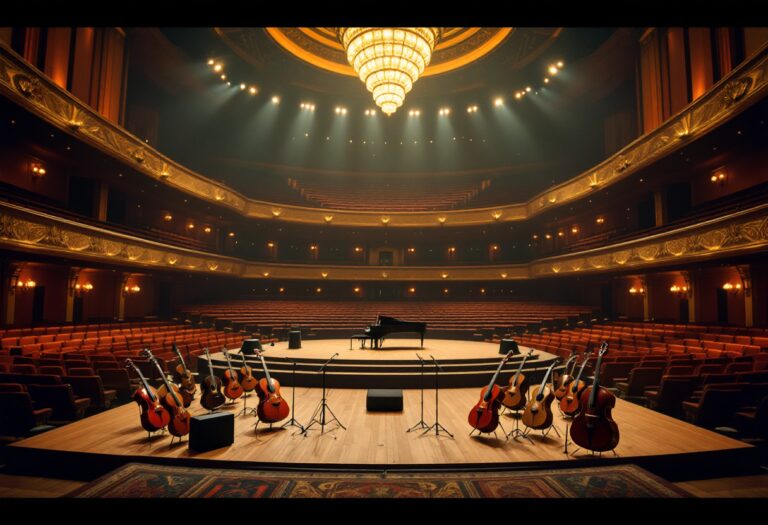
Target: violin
(484,416)
(593,428)
(272,407)
(232,387)
(538,412)
(211,396)
(514,394)
(564,380)
(570,403)
(187,378)
(153,415)
(172,400)
(246,376)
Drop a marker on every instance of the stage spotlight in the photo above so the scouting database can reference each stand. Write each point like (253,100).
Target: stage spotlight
(252,90)
(498,102)
(552,70)
(218,67)
(242,87)
(275,99)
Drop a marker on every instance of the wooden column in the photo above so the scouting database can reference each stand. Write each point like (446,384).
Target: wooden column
(650,80)
(57,54)
(74,273)
(646,298)
(691,293)
(746,283)
(120,295)
(700,54)
(102,198)
(12,271)
(658,208)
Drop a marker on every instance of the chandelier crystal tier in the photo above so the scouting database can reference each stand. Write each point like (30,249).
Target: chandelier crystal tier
(389,59)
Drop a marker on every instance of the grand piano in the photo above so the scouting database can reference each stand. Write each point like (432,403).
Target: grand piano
(389,325)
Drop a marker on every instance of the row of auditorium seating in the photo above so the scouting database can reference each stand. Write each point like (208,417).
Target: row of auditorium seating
(329,318)
(394,195)
(120,340)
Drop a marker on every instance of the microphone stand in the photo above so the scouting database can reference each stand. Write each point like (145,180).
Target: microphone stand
(292,422)
(323,406)
(421,423)
(437,426)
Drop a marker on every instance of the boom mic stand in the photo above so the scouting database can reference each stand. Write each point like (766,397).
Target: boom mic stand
(292,422)
(421,423)
(323,406)
(437,426)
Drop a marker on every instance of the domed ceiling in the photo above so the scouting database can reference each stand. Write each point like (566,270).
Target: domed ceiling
(465,115)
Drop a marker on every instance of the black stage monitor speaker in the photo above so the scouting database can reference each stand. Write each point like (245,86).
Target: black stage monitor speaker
(212,431)
(294,339)
(507,345)
(384,400)
(249,345)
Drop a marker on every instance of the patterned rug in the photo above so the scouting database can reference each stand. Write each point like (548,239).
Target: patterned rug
(138,480)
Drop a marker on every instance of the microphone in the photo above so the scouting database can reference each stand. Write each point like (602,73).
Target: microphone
(420,359)
(326,363)
(436,363)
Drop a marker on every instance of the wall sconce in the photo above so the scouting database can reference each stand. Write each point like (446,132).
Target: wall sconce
(504,275)
(277,212)
(600,220)
(129,290)
(356,289)
(324,274)
(444,275)
(495,247)
(167,217)
(718,176)
(37,169)
(328,219)
(496,215)
(282,290)
(313,247)
(575,230)
(411,290)
(358,249)
(318,290)
(482,290)
(679,290)
(442,219)
(637,291)
(207,229)
(270,245)
(547,236)
(83,288)
(191,226)
(732,288)
(231,234)
(29,284)
(445,290)
(561,233)
(411,250)
(452,249)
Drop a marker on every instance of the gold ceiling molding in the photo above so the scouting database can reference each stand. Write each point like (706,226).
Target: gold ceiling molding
(320,47)
(27,86)
(743,231)
(33,231)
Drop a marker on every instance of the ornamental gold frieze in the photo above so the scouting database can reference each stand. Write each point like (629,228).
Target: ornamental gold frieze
(268,272)
(29,230)
(30,88)
(737,233)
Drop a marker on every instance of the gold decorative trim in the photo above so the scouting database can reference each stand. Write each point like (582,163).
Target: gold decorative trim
(33,231)
(31,89)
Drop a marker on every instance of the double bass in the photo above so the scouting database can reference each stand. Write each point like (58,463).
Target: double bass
(171,399)
(272,407)
(538,412)
(564,380)
(153,415)
(484,416)
(593,428)
(232,387)
(570,403)
(514,393)
(187,378)
(247,380)
(211,397)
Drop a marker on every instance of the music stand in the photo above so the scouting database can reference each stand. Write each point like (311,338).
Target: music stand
(292,422)
(437,426)
(322,407)
(421,423)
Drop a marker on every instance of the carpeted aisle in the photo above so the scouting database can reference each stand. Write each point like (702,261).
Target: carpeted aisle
(138,480)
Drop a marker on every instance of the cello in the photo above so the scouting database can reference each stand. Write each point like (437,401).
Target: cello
(569,404)
(162,391)
(593,428)
(172,401)
(514,393)
(565,379)
(211,397)
(232,387)
(538,412)
(246,376)
(484,416)
(272,407)
(153,415)
(185,374)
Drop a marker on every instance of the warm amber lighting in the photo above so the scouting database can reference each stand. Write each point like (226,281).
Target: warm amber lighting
(191,226)
(207,229)
(358,249)
(718,177)
(356,289)
(167,217)
(547,236)
(389,59)
(503,275)
(282,289)
(217,67)
(729,287)
(132,289)
(313,247)
(210,62)
(561,234)
(444,275)
(270,244)
(575,230)
(552,70)
(275,99)
(482,290)
(385,220)
(265,274)
(27,285)
(678,289)
(472,109)
(535,236)
(231,234)
(38,169)
(498,102)
(637,291)
(600,220)
(495,247)
(328,218)
(411,290)
(252,90)
(276,212)
(324,274)
(496,215)
(318,290)
(452,250)
(445,290)
(445,111)
(442,219)
(83,288)
(411,250)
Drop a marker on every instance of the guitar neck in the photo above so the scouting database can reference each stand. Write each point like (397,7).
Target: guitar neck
(546,376)
(143,382)
(266,372)
(595,380)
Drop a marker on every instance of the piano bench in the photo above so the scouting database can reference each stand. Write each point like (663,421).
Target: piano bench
(384,400)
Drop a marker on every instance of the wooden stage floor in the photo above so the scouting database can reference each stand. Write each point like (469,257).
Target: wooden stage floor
(379,441)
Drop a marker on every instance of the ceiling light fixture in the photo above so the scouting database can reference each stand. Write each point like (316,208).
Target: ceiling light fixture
(389,59)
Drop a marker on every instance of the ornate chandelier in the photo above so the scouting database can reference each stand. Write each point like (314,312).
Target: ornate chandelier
(389,59)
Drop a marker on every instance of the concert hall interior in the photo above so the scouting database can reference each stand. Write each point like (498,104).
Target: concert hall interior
(342,262)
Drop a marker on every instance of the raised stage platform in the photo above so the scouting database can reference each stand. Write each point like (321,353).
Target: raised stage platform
(464,363)
(379,441)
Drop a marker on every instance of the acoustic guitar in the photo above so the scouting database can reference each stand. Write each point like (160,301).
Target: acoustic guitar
(484,416)
(570,403)
(594,428)
(211,396)
(538,412)
(246,376)
(564,380)
(153,416)
(514,393)
(187,378)
(232,387)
